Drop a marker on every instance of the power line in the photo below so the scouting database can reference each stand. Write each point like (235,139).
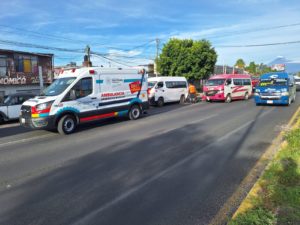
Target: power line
(258,45)
(29,45)
(109,59)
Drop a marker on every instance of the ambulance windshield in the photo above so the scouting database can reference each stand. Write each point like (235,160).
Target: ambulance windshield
(58,86)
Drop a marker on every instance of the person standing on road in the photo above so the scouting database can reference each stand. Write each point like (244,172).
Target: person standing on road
(192,93)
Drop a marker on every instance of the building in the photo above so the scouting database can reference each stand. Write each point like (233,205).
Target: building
(19,71)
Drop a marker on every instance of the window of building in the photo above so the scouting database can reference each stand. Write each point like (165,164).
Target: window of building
(3,66)
(26,63)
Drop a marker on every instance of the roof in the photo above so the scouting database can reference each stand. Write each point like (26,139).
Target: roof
(31,53)
(226,76)
(280,75)
(169,78)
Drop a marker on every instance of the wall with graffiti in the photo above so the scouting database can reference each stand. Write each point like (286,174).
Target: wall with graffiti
(20,68)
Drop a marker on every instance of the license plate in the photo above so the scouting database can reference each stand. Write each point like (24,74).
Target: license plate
(23,120)
(269,102)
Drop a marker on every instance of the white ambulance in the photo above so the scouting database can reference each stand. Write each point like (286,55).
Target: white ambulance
(86,94)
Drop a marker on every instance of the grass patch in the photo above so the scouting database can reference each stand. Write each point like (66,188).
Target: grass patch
(277,200)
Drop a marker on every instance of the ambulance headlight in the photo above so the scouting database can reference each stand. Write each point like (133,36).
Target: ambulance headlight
(286,93)
(43,106)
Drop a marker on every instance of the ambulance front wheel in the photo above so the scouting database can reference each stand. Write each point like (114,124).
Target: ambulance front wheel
(134,112)
(66,124)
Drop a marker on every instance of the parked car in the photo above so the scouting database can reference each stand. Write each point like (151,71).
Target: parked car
(227,87)
(297,82)
(167,89)
(10,108)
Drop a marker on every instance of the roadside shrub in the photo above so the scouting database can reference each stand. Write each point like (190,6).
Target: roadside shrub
(256,216)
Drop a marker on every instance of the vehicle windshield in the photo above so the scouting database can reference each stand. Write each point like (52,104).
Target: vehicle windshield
(58,86)
(272,82)
(151,84)
(215,82)
(297,80)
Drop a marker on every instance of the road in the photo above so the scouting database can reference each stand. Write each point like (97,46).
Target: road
(176,165)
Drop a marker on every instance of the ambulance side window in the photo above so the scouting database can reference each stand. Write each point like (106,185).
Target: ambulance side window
(82,88)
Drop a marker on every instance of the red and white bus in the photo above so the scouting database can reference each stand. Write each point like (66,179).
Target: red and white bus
(227,87)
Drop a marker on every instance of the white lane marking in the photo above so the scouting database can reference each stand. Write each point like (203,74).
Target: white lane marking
(86,218)
(9,125)
(26,139)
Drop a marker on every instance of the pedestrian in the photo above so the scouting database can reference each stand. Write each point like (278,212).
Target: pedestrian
(192,93)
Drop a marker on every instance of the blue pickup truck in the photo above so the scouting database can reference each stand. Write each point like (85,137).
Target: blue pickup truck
(276,88)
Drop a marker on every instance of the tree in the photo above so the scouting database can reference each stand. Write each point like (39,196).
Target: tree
(252,68)
(240,63)
(188,58)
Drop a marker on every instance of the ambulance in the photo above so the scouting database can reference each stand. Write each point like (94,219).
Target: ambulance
(87,94)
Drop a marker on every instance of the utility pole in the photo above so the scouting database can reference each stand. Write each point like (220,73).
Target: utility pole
(88,52)
(157,49)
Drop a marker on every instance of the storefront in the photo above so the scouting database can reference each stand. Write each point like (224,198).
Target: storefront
(20,71)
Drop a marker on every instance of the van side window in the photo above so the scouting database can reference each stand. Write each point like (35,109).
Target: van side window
(82,88)
(246,82)
(160,84)
(176,84)
(237,81)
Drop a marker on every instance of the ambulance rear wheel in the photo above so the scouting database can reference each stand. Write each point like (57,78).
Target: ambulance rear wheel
(182,100)
(228,98)
(134,112)
(66,125)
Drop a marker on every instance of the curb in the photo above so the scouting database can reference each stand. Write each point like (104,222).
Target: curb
(253,176)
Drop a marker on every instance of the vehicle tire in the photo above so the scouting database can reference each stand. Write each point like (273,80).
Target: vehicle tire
(160,102)
(182,100)
(67,124)
(246,97)
(1,119)
(134,112)
(228,98)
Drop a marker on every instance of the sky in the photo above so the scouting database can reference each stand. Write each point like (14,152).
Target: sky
(124,33)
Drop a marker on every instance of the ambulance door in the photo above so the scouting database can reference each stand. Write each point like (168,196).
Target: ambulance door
(81,95)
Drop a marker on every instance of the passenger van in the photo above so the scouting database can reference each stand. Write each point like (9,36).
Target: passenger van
(167,89)
(227,87)
(87,94)
(275,88)
(10,108)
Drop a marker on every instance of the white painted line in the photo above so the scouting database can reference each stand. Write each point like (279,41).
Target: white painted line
(9,125)
(26,139)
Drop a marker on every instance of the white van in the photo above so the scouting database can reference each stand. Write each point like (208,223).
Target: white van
(10,108)
(86,94)
(167,89)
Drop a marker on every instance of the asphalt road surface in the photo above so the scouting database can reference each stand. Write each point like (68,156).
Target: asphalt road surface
(175,166)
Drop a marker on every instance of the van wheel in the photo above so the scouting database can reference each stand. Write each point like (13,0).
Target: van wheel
(228,98)
(134,112)
(160,102)
(1,119)
(66,125)
(246,97)
(182,100)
